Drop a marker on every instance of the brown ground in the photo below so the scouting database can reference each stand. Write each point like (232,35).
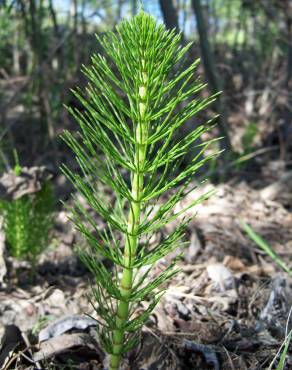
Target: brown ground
(226,309)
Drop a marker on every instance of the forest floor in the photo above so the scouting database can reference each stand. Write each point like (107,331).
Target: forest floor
(228,307)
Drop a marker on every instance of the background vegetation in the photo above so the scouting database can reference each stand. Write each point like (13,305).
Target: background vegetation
(245,48)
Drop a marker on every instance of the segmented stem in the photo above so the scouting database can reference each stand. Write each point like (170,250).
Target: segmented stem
(132,238)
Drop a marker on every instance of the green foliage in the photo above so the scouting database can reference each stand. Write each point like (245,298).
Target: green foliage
(247,139)
(138,97)
(286,343)
(17,166)
(271,253)
(265,247)
(41,323)
(27,222)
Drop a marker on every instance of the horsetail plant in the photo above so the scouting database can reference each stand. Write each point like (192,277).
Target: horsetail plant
(137,99)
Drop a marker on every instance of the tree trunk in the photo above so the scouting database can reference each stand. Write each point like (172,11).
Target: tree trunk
(214,82)
(16,50)
(289,54)
(57,36)
(119,11)
(169,14)
(134,7)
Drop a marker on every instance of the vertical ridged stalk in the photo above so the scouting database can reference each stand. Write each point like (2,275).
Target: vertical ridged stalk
(131,241)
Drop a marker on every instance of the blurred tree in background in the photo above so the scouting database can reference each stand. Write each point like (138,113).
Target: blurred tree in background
(245,46)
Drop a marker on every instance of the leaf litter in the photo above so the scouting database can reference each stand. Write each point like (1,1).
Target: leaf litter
(227,308)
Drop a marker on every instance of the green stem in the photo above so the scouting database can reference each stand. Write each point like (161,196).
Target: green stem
(132,238)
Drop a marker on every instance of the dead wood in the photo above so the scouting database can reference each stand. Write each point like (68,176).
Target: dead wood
(65,324)
(64,343)
(29,181)
(272,191)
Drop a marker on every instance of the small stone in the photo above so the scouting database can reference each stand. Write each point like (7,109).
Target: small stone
(221,276)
